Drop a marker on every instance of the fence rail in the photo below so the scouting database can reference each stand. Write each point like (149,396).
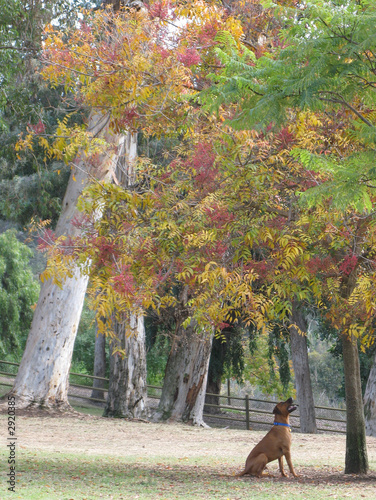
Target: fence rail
(242,410)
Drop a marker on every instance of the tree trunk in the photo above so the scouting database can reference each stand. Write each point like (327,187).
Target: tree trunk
(127,391)
(43,375)
(356,449)
(215,374)
(213,390)
(183,392)
(300,362)
(370,401)
(99,366)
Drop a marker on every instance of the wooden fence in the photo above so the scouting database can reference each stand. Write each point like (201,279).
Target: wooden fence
(240,412)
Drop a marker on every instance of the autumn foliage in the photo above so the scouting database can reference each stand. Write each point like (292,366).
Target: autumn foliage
(231,215)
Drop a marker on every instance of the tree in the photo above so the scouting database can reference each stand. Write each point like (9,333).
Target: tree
(215,375)
(52,355)
(326,364)
(43,375)
(32,185)
(173,76)
(179,227)
(99,365)
(370,401)
(127,391)
(24,24)
(267,362)
(331,71)
(226,359)
(299,354)
(184,387)
(18,294)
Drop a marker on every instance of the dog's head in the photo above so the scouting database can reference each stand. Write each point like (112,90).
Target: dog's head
(284,408)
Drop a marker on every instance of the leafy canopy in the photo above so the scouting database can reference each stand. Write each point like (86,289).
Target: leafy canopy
(219,221)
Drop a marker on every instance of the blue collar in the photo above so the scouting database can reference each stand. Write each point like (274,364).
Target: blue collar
(283,425)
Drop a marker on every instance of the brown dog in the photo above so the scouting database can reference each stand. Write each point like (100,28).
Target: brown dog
(275,444)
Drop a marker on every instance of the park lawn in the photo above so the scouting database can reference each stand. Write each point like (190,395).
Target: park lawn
(83,457)
(71,476)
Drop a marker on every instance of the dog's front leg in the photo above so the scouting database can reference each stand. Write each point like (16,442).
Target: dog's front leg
(289,463)
(280,461)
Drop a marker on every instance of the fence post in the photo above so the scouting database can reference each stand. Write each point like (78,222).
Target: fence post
(247,412)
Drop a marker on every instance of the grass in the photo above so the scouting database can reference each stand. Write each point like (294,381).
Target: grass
(88,410)
(50,475)
(103,470)
(4,389)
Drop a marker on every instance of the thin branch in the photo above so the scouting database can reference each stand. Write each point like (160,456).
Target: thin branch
(339,35)
(10,47)
(341,100)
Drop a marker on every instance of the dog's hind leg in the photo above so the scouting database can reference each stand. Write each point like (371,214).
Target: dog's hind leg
(259,465)
(255,466)
(247,470)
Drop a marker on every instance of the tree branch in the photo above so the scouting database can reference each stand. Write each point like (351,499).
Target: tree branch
(341,100)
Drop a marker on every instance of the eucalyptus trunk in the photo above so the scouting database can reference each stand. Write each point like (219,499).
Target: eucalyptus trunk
(127,391)
(43,375)
(370,401)
(299,354)
(184,387)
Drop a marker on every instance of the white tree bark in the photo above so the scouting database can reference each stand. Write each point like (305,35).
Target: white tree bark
(370,401)
(42,378)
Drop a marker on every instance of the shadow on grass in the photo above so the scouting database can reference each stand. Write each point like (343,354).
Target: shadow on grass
(64,467)
(53,475)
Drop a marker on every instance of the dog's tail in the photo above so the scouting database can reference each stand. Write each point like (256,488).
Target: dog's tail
(243,473)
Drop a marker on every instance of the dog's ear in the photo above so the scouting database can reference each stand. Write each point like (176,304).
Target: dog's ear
(276,410)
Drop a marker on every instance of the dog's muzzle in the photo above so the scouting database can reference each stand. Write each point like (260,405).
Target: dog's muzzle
(291,407)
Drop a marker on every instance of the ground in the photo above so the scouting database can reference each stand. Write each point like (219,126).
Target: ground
(57,456)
